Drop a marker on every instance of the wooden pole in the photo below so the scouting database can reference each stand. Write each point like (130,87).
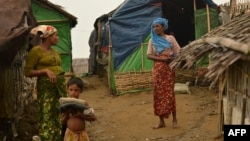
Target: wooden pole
(109,61)
(244,104)
(222,82)
(142,56)
(208,30)
(208,18)
(194,5)
(49,21)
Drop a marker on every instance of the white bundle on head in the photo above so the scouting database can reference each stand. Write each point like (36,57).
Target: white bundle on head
(43,31)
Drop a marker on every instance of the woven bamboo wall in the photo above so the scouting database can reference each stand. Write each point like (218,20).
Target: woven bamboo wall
(237,92)
(23,87)
(128,81)
(142,80)
(22,90)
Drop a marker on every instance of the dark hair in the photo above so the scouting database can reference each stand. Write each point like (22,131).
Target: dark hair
(75,80)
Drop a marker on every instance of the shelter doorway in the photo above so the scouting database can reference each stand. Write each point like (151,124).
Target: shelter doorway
(181,18)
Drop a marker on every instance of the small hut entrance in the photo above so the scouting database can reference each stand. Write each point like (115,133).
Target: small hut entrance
(189,19)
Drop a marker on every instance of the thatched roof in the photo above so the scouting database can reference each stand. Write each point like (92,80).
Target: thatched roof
(226,44)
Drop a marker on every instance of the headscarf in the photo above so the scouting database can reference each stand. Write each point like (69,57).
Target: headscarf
(43,31)
(159,42)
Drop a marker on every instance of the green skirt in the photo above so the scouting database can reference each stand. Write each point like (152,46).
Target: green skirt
(48,94)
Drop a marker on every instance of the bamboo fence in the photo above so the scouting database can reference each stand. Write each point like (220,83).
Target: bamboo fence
(238,7)
(141,80)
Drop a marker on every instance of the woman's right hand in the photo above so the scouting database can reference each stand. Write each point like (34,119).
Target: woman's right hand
(51,75)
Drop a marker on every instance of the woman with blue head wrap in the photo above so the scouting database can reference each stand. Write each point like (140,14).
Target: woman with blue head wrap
(159,41)
(161,50)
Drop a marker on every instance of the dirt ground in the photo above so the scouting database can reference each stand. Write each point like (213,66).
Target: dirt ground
(130,117)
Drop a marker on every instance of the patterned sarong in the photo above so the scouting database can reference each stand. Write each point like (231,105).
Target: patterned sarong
(49,120)
(164,97)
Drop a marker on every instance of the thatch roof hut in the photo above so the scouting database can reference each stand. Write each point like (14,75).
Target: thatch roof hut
(228,43)
(228,47)
(17,19)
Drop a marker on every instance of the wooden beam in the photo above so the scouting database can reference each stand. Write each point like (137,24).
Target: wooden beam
(208,19)
(222,83)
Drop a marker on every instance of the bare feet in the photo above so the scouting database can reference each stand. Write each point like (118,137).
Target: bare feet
(159,126)
(175,125)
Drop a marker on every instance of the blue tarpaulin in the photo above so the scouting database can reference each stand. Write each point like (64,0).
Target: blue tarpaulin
(130,25)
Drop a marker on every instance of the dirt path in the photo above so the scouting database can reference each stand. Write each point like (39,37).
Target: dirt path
(130,117)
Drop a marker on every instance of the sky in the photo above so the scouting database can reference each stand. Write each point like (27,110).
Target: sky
(87,11)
